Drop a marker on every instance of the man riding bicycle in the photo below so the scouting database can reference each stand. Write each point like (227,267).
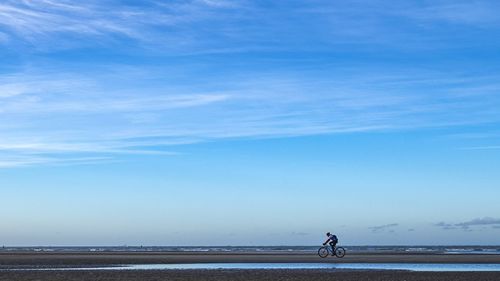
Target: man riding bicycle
(333,240)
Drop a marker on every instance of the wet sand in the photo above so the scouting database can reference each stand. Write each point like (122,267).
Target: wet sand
(247,275)
(75,259)
(87,258)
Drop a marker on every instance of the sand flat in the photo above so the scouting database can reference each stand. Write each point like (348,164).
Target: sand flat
(247,275)
(86,258)
(29,259)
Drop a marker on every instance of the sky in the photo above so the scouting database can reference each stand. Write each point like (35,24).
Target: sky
(218,122)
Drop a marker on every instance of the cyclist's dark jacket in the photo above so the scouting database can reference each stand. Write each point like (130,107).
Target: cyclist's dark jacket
(333,238)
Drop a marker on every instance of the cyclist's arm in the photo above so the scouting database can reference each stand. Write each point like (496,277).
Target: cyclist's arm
(326,242)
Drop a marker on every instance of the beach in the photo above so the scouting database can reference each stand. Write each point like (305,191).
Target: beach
(247,275)
(25,260)
(114,258)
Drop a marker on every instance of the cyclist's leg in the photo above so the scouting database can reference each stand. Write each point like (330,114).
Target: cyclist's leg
(332,244)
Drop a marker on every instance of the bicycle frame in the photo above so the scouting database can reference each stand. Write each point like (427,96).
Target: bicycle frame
(337,251)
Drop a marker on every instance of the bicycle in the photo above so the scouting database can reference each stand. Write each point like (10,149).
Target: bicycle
(326,250)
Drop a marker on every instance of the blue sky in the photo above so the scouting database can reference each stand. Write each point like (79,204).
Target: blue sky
(249,122)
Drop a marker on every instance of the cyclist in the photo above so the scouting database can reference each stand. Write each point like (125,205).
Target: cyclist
(333,241)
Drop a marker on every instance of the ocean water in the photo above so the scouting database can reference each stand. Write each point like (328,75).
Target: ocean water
(464,250)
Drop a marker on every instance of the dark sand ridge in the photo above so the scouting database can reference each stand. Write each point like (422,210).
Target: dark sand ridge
(9,259)
(247,275)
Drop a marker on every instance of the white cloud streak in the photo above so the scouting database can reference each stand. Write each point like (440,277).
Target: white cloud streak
(489,147)
(53,115)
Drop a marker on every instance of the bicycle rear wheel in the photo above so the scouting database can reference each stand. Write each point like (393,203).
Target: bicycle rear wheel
(323,252)
(340,252)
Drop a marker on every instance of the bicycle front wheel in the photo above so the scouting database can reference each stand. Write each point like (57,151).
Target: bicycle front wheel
(323,252)
(340,252)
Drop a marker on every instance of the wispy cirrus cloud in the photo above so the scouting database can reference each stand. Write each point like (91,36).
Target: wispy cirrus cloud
(55,114)
(74,96)
(76,24)
(30,19)
(214,26)
(479,13)
(34,160)
(486,147)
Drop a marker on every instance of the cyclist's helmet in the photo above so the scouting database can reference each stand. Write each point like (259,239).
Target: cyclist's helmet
(328,234)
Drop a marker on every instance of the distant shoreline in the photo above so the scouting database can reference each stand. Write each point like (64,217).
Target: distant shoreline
(405,249)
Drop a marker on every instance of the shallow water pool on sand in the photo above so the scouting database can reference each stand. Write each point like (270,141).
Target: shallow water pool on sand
(330,266)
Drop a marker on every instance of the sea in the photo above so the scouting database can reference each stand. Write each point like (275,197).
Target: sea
(470,250)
